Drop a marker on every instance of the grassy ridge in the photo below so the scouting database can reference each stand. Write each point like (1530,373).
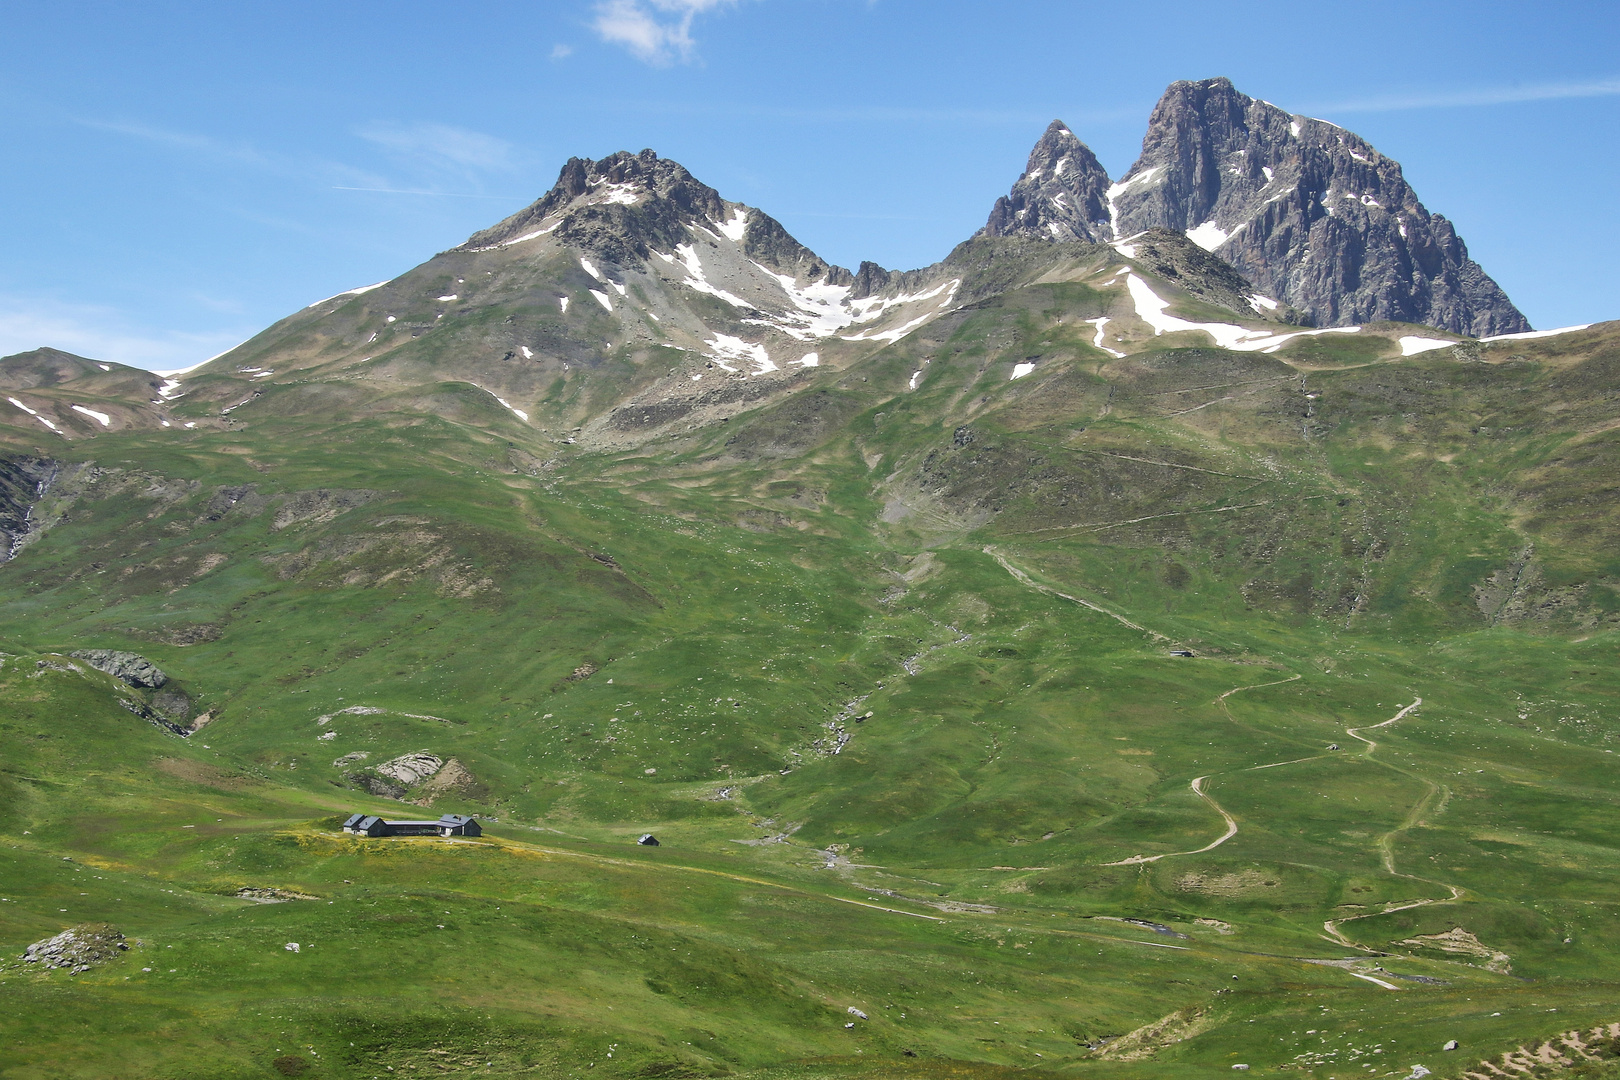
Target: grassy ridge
(674,639)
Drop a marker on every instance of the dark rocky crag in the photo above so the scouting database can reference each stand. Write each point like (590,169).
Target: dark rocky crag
(647,202)
(1308,212)
(1062,195)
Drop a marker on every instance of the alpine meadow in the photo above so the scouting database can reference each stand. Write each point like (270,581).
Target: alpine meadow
(1174,634)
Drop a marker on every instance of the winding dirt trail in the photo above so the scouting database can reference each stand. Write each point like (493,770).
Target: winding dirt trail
(1231,830)
(1024,579)
(1386,843)
(1433,801)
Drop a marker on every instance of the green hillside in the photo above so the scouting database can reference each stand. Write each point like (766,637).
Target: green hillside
(889,659)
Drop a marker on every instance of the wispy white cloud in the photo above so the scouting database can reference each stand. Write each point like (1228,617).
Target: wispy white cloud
(228,152)
(561,52)
(440,146)
(655,31)
(102,333)
(1488,95)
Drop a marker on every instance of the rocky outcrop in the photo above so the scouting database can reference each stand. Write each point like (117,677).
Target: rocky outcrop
(1310,213)
(23,482)
(135,670)
(78,948)
(1318,220)
(1062,195)
(620,208)
(394,778)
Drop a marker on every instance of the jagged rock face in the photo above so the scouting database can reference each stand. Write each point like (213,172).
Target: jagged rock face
(1309,212)
(129,667)
(621,208)
(23,482)
(1063,194)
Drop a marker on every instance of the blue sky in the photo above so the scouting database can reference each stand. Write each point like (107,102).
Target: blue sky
(180,175)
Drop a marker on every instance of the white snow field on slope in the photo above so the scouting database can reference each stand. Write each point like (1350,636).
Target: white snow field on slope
(1150,309)
(99,417)
(1529,334)
(1411,344)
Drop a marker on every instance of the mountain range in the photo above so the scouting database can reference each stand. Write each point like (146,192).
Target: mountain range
(1173,633)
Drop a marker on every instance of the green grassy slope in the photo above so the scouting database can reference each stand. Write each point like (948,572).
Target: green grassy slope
(890,672)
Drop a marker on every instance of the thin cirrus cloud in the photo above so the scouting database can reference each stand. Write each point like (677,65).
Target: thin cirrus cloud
(655,31)
(1490,95)
(440,147)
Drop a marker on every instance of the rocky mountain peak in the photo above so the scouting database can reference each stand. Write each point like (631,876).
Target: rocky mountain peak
(1062,194)
(1311,213)
(622,207)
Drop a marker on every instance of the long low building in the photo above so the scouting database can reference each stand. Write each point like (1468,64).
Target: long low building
(448,825)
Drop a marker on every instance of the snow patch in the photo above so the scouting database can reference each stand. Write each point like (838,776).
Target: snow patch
(334,296)
(447,299)
(1411,345)
(99,417)
(1150,309)
(623,194)
(1293,128)
(1208,236)
(1528,334)
(1097,342)
(1020,370)
(1257,302)
(169,389)
(591,269)
(104,367)
(697,279)
(809,359)
(563,300)
(519,413)
(602,298)
(1116,190)
(617,286)
(528,353)
(1269,174)
(735,226)
(727,348)
(916,377)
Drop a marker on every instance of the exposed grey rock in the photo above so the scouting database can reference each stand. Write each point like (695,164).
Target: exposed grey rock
(1309,212)
(23,482)
(172,703)
(77,948)
(1062,195)
(620,208)
(129,667)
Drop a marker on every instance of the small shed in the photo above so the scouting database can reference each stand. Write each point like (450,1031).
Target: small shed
(459,825)
(648,840)
(368,825)
(447,825)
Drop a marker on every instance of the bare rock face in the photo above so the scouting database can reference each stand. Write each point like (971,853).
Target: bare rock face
(1063,194)
(1315,218)
(131,668)
(23,482)
(1309,212)
(621,208)
(78,948)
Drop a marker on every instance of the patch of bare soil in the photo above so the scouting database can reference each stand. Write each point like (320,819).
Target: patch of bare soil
(1148,1039)
(1238,883)
(1461,942)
